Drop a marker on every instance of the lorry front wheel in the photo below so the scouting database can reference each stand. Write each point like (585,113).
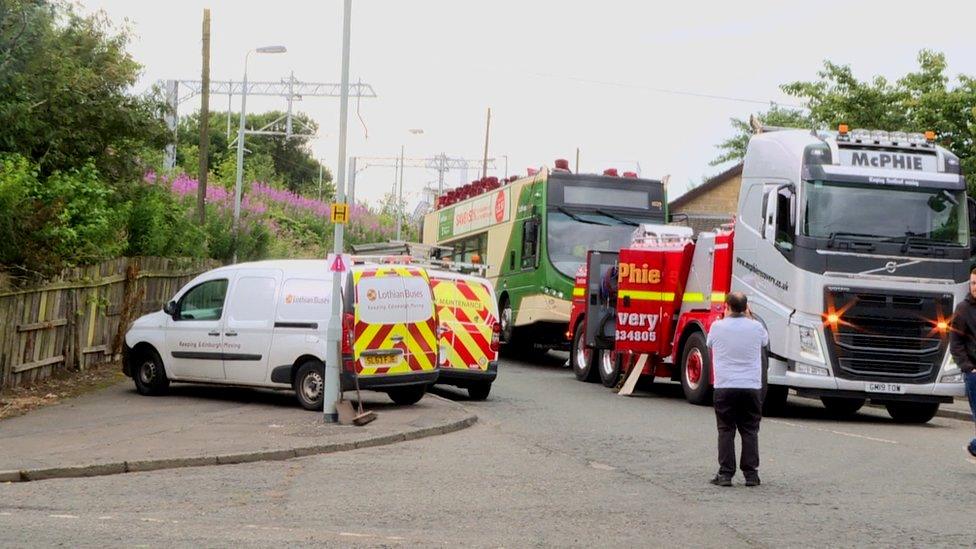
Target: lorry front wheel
(582,357)
(696,370)
(609,367)
(405,396)
(842,407)
(309,385)
(912,412)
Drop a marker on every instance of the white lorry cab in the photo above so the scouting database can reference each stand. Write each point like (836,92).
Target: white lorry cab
(263,324)
(854,247)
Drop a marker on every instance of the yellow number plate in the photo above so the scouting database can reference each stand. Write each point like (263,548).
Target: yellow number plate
(381,360)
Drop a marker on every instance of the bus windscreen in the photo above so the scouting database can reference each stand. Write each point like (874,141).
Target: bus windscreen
(605,197)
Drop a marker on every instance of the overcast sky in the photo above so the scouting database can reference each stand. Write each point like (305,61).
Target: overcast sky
(557,75)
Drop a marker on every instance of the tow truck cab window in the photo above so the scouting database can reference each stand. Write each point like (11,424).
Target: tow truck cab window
(203,302)
(785,218)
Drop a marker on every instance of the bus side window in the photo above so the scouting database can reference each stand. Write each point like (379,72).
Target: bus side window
(530,242)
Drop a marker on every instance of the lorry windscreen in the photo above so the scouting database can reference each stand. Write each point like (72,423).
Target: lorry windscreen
(937,216)
(569,237)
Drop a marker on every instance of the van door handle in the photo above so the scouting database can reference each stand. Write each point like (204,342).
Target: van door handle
(231,334)
(398,339)
(215,334)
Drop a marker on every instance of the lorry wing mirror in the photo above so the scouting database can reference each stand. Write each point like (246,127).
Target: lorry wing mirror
(170,309)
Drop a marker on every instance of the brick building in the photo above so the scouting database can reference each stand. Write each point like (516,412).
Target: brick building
(710,204)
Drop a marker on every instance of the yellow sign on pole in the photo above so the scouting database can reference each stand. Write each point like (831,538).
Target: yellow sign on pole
(339,212)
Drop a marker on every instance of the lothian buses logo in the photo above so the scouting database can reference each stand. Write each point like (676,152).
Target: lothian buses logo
(371,295)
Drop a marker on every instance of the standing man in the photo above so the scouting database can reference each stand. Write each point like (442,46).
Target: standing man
(736,342)
(962,345)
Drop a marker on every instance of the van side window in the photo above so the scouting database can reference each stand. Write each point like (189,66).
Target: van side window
(530,242)
(203,302)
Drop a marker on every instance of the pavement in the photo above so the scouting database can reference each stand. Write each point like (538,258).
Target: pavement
(116,430)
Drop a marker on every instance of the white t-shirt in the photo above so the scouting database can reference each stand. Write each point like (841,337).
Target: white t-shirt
(736,344)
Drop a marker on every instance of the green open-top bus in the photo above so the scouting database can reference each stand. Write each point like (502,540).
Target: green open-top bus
(534,232)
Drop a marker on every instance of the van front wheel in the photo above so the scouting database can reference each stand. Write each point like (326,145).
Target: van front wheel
(149,374)
(405,396)
(309,385)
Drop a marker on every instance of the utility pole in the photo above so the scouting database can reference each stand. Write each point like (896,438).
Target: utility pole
(332,355)
(399,198)
(484,164)
(204,121)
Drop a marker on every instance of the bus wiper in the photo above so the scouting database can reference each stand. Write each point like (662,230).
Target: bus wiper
(833,236)
(575,217)
(623,220)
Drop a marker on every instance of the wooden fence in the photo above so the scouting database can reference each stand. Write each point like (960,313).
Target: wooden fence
(79,318)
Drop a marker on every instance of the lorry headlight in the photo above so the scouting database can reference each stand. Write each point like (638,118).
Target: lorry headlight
(950,372)
(810,344)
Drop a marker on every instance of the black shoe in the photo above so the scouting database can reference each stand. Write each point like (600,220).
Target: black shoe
(972,448)
(753,481)
(720,480)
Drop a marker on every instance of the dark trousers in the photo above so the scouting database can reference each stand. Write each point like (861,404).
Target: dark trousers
(970,379)
(738,409)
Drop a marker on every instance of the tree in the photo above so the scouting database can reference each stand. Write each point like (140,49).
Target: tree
(926,99)
(735,147)
(292,164)
(64,101)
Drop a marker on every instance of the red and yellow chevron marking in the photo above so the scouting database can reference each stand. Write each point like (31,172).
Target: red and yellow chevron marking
(464,309)
(411,346)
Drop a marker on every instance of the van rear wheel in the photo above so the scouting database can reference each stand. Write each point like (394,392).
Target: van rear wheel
(309,385)
(405,396)
(479,391)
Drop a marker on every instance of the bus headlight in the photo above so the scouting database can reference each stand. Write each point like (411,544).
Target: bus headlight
(810,344)
(950,372)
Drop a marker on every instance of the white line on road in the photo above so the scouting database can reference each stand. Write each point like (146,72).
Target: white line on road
(106,517)
(64,516)
(355,535)
(831,431)
(6,514)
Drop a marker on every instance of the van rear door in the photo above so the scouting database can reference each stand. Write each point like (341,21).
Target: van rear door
(467,315)
(395,326)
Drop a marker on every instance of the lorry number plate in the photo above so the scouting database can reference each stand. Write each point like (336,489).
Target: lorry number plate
(884,388)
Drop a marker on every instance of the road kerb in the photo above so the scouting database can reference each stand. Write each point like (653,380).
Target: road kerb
(139,466)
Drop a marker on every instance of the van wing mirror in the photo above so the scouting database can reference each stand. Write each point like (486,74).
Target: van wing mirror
(170,309)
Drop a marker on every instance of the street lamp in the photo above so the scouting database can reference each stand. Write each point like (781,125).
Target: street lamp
(240,142)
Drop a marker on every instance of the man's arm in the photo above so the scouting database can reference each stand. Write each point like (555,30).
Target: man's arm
(958,336)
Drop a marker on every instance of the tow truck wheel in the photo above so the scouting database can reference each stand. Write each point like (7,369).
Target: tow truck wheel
(696,370)
(609,367)
(912,412)
(842,406)
(582,357)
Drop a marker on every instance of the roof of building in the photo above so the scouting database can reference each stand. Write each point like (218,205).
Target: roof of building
(706,186)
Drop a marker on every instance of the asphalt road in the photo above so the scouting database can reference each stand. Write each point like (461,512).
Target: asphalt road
(552,462)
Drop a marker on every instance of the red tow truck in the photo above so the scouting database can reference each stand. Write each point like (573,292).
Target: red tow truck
(645,310)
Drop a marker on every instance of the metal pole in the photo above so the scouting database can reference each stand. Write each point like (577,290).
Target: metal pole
(240,162)
(484,164)
(351,187)
(399,198)
(577,159)
(230,97)
(333,354)
(204,121)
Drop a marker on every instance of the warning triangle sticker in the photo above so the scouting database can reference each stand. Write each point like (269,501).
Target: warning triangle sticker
(338,265)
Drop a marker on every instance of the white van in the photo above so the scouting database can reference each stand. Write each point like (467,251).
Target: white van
(263,324)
